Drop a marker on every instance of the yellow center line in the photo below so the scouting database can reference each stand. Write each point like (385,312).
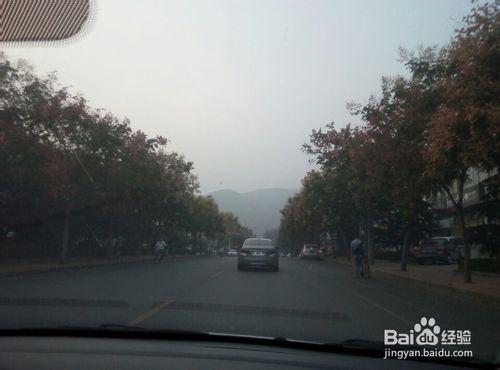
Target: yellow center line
(217,274)
(146,315)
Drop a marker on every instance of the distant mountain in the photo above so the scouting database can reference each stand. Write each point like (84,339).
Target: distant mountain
(258,210)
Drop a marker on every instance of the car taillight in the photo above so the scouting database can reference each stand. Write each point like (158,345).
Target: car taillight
(244,252)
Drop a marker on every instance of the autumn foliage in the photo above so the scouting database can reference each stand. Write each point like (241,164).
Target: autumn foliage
(418,138)
(72,177)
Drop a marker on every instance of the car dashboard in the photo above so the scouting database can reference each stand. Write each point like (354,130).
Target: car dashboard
(24,352)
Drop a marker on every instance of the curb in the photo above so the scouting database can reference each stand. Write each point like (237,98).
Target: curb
(82,266)
(446,289)
(429,285)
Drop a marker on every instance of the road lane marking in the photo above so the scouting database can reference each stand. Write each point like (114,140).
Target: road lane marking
(61,302)
(153,311)
(259,310)
(216,274)
(310,266)
(393,314)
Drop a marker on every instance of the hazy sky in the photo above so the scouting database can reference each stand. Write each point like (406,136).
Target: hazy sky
(237,86)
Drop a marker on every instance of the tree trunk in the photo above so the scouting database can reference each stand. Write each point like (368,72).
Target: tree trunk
(463,230)
(406,242)
(369,233)
(334,247)
(199,243)
(345,246)
(461,222)
(459,207)
(404,251)
(64,247)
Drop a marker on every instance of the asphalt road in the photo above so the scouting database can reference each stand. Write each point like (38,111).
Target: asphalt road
(318,301)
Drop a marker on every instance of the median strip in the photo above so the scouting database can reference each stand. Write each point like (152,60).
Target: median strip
(153,311)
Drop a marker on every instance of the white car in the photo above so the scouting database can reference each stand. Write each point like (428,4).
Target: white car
(232,253)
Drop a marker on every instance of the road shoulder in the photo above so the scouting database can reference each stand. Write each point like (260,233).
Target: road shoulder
(38,266)
(436,277)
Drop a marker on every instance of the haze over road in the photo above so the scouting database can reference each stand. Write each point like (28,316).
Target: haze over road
(318,301)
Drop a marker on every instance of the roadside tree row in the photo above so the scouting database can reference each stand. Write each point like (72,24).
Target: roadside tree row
(418,138)
(72,178)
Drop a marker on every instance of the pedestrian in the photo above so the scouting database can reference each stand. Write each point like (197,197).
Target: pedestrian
(357,253)
(160,249)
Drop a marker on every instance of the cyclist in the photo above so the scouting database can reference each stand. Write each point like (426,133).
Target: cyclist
(160,249)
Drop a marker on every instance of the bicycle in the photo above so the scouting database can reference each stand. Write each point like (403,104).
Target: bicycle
(365,271)
(160,255)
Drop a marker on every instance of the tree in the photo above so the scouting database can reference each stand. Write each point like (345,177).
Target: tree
(205,220)
(353,154)
(421,136)
(231,230)
(396,122)
(464,131)
(66,166)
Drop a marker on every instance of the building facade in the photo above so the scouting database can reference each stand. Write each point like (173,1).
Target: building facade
(482,212)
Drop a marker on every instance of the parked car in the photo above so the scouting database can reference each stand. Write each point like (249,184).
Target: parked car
(258,253)
(439,249)
(232,253)
(388,252)
(311,251)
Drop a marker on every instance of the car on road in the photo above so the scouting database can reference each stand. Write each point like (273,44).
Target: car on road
(232,253)
(258,253)
(311,251)
(439,249)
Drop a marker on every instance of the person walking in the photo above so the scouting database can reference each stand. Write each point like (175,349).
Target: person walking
(357,253)
(160,249)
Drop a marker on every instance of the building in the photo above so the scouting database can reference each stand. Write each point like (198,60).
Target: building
(482,212)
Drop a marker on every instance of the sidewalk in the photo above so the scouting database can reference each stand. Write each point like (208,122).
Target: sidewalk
(439,276)
(22,267)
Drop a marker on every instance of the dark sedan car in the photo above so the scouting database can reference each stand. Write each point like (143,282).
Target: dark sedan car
(258,253)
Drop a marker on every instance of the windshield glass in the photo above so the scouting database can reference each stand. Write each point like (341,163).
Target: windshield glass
(435,242)
(144,145)
(258,243)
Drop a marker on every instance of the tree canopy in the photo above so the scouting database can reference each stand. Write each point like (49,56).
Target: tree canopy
(67,166)
(419,137)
